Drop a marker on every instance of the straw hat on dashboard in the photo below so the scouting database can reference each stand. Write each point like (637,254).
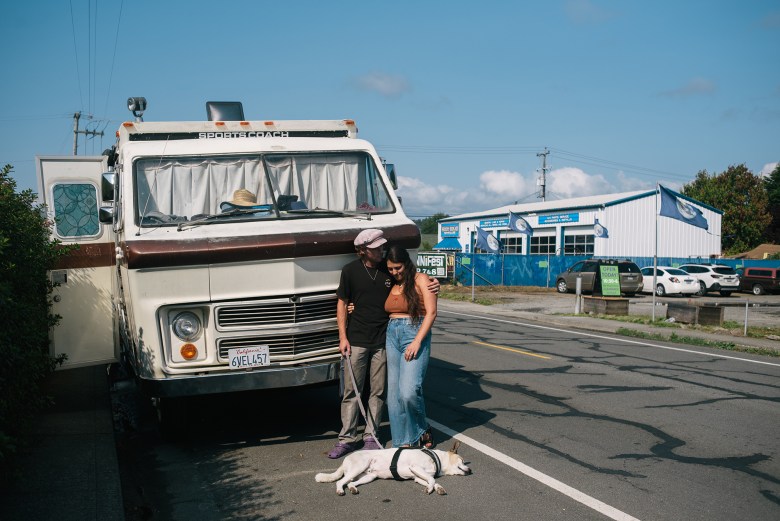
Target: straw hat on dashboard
(243,197)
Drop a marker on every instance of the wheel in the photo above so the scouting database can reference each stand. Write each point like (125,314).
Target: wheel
(561,286)
(758,289)
(702,289)
(171,417)
(660,290)
(725,293)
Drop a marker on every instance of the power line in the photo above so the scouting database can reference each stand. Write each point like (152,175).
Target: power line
(515,150)
(427,149)
(76,52)
(113,57)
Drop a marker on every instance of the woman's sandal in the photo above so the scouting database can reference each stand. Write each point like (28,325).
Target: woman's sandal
(426,440)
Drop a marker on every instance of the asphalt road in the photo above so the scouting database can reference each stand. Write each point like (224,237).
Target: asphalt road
(555,424)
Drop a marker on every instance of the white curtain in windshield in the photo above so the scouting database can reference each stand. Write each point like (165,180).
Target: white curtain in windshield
(186,187)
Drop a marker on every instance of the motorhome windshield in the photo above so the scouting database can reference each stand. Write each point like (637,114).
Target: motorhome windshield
(180,190)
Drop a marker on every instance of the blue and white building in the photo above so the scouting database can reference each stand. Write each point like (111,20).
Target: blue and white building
(619,225)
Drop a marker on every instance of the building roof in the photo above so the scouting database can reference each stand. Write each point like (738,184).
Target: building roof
(759,252)
(449,244)
(575,203)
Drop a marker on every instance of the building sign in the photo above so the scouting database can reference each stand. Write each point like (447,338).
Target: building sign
(450,230)
(610,280)
(432,264)
(559,218)
(494,223)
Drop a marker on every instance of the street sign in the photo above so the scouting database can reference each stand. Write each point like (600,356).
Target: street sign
(432,264)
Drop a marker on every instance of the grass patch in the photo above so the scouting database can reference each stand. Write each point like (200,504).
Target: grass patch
(463,297)
(681,339)
(729,327)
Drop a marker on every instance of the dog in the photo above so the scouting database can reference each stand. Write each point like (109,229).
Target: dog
(422,465)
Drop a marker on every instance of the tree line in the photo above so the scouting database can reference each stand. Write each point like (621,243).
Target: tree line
(750,205)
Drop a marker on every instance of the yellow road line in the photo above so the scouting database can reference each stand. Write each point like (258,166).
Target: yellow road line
(512,349)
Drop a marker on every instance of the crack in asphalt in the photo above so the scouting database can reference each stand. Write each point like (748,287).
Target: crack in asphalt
(666,446)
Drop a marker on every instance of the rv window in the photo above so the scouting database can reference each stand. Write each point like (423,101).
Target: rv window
(177,189)
(75,210)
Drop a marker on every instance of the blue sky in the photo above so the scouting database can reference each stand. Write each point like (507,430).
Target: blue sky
(461,96)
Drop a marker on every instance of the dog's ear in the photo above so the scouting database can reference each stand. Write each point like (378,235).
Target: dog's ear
(455,446)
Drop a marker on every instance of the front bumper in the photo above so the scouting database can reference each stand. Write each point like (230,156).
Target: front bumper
(233,381)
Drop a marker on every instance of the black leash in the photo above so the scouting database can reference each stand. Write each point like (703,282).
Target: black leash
(369,423)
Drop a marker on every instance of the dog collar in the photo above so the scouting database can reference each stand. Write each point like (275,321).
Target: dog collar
(428,452)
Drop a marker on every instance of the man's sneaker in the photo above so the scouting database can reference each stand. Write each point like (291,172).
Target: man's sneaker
(341,449)
(371,444)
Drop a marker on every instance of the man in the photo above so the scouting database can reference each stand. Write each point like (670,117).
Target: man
(365,284)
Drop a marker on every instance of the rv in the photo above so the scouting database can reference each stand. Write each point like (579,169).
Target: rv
(209,252)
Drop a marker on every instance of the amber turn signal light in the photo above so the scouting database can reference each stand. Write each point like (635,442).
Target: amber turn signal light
(188,351)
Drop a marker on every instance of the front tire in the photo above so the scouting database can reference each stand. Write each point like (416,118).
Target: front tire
(561,286)
(702,289)
(660,290)
(758,289)
(171,417)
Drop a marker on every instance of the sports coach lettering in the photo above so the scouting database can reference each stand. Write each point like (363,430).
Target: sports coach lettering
(229,135)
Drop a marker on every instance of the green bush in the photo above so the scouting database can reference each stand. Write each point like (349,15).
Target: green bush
(26,253)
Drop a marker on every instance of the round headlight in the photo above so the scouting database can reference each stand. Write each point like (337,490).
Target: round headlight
(187,326)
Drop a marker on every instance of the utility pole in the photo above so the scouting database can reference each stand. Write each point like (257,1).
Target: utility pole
(76,133)
(542,181)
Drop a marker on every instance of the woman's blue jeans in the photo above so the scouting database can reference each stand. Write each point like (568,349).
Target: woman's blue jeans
(405,402)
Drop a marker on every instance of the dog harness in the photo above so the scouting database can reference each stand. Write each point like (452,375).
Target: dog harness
(428,452)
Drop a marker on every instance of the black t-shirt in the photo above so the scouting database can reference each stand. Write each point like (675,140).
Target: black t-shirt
(367,288)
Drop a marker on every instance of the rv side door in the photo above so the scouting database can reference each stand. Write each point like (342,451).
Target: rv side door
(84,279)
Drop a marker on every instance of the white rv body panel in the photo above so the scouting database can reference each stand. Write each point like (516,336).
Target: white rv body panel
(84,282)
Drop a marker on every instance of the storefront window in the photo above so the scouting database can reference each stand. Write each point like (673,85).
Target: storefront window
(512,244)
(544,245)
(578,245)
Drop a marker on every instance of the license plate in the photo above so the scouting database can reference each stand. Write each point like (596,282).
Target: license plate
(248,357)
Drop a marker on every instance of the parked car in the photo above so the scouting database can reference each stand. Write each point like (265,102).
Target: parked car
(669,281)
(630,276)
(714,277)
(760,280)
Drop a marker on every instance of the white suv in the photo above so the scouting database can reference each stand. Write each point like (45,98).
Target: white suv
(714,277)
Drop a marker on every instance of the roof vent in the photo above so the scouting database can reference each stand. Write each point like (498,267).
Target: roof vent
(225,111)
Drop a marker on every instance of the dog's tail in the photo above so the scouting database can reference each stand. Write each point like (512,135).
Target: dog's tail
(324,477)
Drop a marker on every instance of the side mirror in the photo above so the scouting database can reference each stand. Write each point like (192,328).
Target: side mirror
(107,186)
(390,169)
(106,214)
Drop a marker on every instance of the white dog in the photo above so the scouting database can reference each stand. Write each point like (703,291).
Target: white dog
(422,465)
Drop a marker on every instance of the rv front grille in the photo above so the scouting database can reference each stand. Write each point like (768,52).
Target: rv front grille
(277,311)
(283,348)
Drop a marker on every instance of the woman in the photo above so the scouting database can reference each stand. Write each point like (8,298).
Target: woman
(412,310)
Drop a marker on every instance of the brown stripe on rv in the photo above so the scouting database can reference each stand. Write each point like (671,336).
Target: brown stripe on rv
(163,254)
(88,256)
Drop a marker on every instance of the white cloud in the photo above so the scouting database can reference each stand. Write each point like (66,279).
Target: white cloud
(387,85)
(573,182)
(768,169)
(499,188)
(694,87)
(630,184)
(505,183)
